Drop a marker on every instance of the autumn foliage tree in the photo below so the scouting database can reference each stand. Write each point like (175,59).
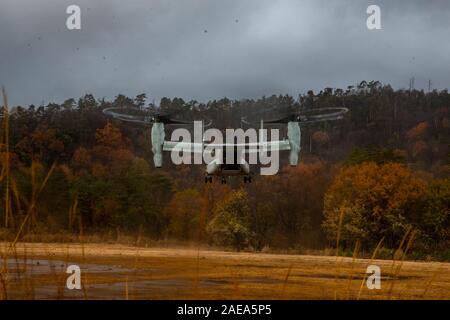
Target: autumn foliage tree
(369,201)
(186,213)
(230,225)
(104,177)
(435,224)
(284,211)
(117,189)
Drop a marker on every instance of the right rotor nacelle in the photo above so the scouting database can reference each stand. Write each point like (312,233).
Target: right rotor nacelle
(294,137)
(158,136)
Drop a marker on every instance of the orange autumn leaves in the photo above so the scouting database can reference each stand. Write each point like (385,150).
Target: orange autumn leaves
(186,214)
(376,201)
(110,149)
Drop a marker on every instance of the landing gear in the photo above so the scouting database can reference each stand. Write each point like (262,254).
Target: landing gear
(208,179)
(247,179)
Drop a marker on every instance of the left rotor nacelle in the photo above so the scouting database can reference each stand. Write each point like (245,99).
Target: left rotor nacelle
(158,136)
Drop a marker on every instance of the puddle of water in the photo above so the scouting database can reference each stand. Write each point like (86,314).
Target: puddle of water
(30,267)
(115,290)
(20,269)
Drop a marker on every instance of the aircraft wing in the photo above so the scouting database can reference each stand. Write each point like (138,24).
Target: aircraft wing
(195,147)
(278,145)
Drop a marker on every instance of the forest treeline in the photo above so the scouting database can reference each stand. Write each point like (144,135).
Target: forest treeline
(380,174)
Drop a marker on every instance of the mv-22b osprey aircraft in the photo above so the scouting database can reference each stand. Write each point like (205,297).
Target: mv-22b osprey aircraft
(225,165)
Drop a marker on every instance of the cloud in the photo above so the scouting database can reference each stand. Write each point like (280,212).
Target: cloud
(206,49)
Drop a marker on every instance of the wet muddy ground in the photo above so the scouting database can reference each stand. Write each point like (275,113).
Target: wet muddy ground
(38,271)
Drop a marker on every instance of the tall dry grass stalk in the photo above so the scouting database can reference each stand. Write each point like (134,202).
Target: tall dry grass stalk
(397,270)
(83,257)
(197,270)
(350,277)
(139,236)
(338,240)
(400,247)
(432,279)
(83,287)
(5,175)
(374,255)
(73,211)
(286,279)
(3,274)
(235,276)
(12,194)
(126,289)
(338,236)
(18,199)
(81,236)
(6,158)
(36,190)
(199,236)
(135,265)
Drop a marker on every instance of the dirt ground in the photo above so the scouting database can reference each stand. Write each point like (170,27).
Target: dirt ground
(110,271)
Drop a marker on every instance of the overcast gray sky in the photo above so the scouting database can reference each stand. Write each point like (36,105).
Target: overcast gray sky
(203,49)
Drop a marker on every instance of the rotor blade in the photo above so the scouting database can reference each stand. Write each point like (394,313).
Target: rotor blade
(148,118)
(272,121)
(125,117)
(320,114)
(170,121)
(281,120)
(244,121)
(167,120)
(208,124)
(333,114)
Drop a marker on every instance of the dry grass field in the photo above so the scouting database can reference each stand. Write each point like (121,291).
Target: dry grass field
(110,271)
